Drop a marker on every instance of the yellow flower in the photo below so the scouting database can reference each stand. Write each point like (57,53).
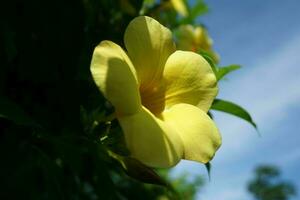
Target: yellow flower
(180,7)
(190,38)
(161,96)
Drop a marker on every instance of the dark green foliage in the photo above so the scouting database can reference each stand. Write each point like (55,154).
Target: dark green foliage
(267,185)
(49,147)
(57,130)
(13,112)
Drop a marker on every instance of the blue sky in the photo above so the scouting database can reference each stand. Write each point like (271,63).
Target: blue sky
(264,37)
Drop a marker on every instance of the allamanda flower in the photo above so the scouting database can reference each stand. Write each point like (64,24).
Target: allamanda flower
(180,7)
(194,38)
(161,96)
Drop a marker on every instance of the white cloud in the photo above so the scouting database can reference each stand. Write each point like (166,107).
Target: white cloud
(267,91)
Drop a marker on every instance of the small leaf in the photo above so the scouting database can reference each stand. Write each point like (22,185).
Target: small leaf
(231,108)
(11,111)
(194,11)
(208,168)
(222,71)
(198,9)
(210,115)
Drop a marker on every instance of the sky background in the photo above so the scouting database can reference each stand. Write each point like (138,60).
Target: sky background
(263,37)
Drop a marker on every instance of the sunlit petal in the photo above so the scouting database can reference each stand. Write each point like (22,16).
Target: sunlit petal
(198,132)
(189,79)
(149,44)
(180,7)
(150,140)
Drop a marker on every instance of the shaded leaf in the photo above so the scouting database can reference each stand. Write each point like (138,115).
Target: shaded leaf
(223,71)
(233,109)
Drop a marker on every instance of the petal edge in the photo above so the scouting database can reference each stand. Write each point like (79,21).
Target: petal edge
(115,77)
(150,140)
(189,79)
(200,136)
(149,44)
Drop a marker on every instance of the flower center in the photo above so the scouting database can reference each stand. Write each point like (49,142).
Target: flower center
(153,99)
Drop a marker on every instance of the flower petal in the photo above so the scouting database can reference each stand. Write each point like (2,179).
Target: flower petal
(115,76)
(150,140)
(149,44)
(180,7)
(200,136)
(186,38)
(189,79)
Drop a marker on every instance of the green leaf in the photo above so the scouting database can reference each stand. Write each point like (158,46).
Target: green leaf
(198,9)
(149,2)
(194,11)
(222,71)
(233,109)
(208,168)
(11,111)
(210,115)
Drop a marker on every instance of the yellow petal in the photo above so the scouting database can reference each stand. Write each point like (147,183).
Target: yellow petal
(202,38)
(115,76)
(180,7)
(189,79)
(200,136)
(150,140)
(149,44)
